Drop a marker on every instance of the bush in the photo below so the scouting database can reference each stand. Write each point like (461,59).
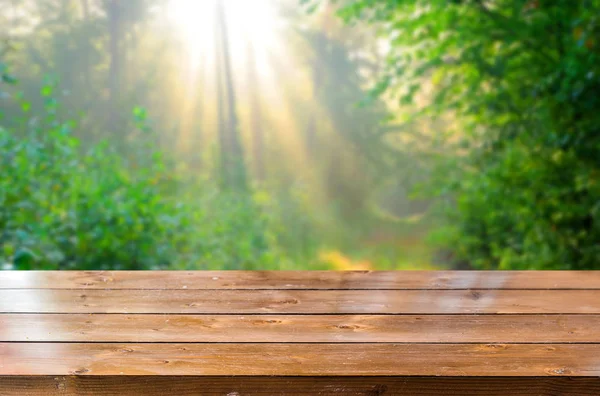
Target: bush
(521,78)
(65,207)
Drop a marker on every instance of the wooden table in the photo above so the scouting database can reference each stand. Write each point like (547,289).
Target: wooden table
(271,333)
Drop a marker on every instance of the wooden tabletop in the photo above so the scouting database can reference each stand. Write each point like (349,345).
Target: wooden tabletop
(246,333)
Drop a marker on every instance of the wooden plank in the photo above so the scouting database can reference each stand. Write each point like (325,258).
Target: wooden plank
(393,280)
(519,360)
(301,328)
(301,301)
(267,386)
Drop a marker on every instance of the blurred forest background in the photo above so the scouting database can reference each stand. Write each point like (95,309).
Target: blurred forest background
(299,134)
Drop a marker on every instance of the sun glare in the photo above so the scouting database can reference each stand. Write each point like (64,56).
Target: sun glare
(249,22)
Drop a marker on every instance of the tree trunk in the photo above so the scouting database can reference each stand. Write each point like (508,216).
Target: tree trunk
(258,140)
(222,127)
(311,128)
(114,20)
(198,134)
(85,10)
(234,160)
(87,64)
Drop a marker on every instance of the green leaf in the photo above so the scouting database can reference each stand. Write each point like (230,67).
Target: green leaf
(139,113)
(7,78)
(46,90)
(24,259)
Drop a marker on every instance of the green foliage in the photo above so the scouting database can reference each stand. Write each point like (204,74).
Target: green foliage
(326,175)
(6,78)
(521,78)
(63,207)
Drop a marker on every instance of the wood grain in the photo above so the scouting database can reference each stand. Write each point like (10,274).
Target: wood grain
(348,280)
(519,360)
(353,333)
(302,301)
(301,328)
(267,386)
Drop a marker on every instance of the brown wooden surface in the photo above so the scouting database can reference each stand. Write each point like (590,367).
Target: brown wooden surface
(301,328)
(348,280)
(268,386)
(278,359)
(358,333)
(302,301)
